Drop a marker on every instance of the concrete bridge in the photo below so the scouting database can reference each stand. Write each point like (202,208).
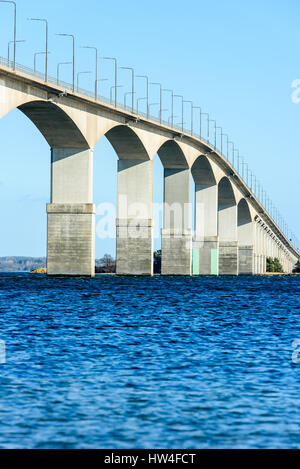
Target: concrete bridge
(233,232)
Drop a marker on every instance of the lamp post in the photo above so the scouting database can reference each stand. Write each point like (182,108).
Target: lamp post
(205,114)
(96,68)
(46,43)
(73,38)
(198,107)
(132,86)
(172,94)
(220,128)
(147,91)
(78,75)
(182,110)
(125,99)
(58,69)
(231,143)
(160,99)
(116,77)
(34,60)
(8,49)
(15,27)
(101,79)
(114,88)
(192,115)
(238,157)
(227,144)
(215,132)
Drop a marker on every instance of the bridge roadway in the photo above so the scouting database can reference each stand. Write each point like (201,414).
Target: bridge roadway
(233,232)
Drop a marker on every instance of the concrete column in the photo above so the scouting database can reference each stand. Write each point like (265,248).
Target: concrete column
(228,245)
(135,218)
(255,229)
(176,233)
(206,241)
(71,213)
(245,240)
(260,244)
(264,254)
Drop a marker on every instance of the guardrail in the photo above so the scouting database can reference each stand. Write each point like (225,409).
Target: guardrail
(237,163)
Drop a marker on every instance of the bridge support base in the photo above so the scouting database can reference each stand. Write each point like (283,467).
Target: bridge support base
(71,239)
(206,256)
(246,260)
(135,218)
(134,247)
(176,252)
(228,258)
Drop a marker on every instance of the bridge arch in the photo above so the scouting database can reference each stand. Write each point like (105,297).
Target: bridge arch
(127,144)
(70,248)
(172,156)
(245,233)
(205,198)
(59,130)
(176,229)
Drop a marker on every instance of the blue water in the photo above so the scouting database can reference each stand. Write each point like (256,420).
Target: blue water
(157,362)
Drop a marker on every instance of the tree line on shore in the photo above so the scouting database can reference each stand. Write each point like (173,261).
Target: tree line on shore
(107,264)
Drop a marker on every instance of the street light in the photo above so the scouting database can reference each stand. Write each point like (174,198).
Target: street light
(73,38)
(113,88)
(78,75)
(15,27)
(238,156)
(147,91)
(172,94)
(35,56)
(101,79)
(160,99)
(132,86)
(220,128)
(116,77)
(182,110)
(8,49)
(197,107)
(212,120)
(96,69)
(125,98)
(205,114)
(58,69)
(192,115)
(231,143)
(46,44)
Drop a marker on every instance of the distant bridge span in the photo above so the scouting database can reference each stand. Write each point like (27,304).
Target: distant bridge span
(233,233)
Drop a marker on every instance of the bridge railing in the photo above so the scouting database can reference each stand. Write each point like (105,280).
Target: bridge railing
(247,176)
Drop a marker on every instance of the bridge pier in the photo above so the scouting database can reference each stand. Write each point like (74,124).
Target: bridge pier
(206,240)
(176,233)
(135,218)
(227,227)
(245,239)
(71,213)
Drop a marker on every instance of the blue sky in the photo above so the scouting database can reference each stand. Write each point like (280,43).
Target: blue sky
(235,59)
